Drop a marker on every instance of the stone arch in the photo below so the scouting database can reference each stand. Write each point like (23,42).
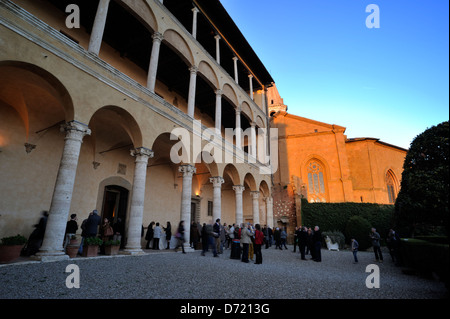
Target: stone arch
(177,43)
(264,188)
(246,110)
(205,69)
(231,172)
(249,180)
(259,122)
(392,185)
(230,94)
(316,176)
(114,115)
(25,86)
(142,11)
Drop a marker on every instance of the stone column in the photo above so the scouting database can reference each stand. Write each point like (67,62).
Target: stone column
(186,194)
(218,111)
(153,67)
(98,28)
(238,129)
(52,245)
(239,189)
(217,199)
(217,37)
(191,97)
(250,80)
(194,22)
(255,206)
(236,78)
(142,155)
(269,210)
(253,139)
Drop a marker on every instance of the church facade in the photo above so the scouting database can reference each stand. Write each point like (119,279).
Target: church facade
(317,161)
(96,97)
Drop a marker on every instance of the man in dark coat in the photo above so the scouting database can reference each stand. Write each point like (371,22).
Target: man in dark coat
(317,242)
(92,224)
(302,241)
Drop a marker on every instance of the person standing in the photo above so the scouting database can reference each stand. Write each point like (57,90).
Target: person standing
(355,247)
(277,238)
(283,238)
(180,236)
(149,235)
(71,229)
(168,231)
(393,244)
(92,223)
(317,242)
(156,236)
(259,240)
(376,245)
(246,241)
(302,241)
(209,239)
(216,234)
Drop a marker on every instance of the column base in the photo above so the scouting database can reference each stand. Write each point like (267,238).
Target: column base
(132,252)
(50,256)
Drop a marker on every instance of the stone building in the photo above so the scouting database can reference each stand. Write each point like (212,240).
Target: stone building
(317,161)
(90,94)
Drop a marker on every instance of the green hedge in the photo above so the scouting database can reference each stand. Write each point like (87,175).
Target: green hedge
(334,216)
(426,257)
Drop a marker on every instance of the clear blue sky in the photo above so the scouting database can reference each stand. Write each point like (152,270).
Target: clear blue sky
(389,83)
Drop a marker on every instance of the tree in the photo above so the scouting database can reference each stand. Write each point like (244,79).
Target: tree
(423,198)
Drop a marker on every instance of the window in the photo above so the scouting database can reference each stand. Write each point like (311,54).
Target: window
(390,183)
(316,182)
(210,208)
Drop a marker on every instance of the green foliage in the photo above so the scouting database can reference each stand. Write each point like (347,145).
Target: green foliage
(423,199)
(336,237)
(92,241)
(112,243)
(359,228)
(335,216)
(14,240)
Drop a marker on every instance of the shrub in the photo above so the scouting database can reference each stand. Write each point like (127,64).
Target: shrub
(112,243)
(93,241)
(336,237)
(359,228)
(14,240)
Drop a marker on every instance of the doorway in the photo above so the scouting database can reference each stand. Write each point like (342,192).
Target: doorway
(115,203)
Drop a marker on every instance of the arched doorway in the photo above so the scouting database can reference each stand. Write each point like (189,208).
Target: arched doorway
(115,207)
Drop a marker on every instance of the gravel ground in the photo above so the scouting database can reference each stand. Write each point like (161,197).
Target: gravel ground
(170,275)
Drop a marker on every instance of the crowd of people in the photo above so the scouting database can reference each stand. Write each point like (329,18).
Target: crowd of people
(245,241)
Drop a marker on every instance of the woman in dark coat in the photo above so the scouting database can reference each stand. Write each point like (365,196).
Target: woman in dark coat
(180,236)
(168,231)
(149,235)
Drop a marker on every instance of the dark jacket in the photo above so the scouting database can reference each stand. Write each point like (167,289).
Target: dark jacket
(92,224)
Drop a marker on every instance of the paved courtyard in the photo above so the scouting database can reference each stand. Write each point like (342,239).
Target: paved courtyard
(170,275)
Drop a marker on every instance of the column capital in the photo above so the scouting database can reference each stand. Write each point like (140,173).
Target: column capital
(250,76)
(238,111)
(219,92)
(217,181)
(142,152)
(255,194)
(195,10)
(268,199)
(217,37)
(75,130)
(253,124)
(193,69)
(187,170)
(235,58)
(238,188)
(157,36)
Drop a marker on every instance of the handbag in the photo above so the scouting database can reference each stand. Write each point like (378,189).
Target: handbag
(109,231)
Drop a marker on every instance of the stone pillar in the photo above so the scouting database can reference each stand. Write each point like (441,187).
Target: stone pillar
(98,28)
(52,245)
(218,111)
(250,80)
(186,194)
(255,206)
(269,210)
(191,97)
(217,197)
(217,37)
(194,22)
(133,245)
(253,139)
(236,78)
(238,129)
(153,67)
(239,189)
